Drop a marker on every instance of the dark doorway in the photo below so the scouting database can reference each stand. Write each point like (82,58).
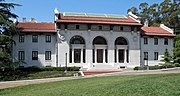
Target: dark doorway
(99,55)
(121,55)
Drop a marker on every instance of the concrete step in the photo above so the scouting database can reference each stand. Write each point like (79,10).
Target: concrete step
(94,72)
(103,67)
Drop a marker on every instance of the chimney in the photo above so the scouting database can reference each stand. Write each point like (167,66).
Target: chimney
(33,20)
(23,20)
(15,21)
(146,23)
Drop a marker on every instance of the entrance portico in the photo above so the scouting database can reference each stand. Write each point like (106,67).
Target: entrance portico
(100,50)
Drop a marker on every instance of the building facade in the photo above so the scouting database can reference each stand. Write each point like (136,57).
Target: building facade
(91,41)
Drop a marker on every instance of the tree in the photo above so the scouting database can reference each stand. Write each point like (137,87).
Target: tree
(176,50)
(167,12)
(7,30)
(167,58)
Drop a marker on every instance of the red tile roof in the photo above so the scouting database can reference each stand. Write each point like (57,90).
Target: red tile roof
(97,20)
(156,31)
(36,27)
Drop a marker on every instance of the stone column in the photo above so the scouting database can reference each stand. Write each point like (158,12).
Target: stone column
(72,55)
(125,56)
(95,53)
(104,56)
(81,55)
(117,56)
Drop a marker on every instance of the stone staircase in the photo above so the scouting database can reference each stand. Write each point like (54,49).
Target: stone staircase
(103,67)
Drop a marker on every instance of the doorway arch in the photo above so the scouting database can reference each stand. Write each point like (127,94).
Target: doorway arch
(121,50)
(100,50)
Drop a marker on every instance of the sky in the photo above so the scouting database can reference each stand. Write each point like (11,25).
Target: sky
(43,10)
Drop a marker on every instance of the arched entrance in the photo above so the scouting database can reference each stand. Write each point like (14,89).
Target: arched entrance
(100,50)
(77,49)
(121,50)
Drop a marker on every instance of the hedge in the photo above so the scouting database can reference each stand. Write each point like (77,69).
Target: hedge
(156,67)
(38,69)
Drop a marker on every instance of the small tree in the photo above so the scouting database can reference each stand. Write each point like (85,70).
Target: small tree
(167,58)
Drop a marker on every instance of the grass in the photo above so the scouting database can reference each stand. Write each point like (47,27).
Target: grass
(130,85)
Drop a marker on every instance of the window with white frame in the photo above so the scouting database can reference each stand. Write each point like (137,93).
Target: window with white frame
(155,55)
(165,41)
(21,55)
(47,55)
(155,41)
(48,38)
(35,38)
(34,55)
(21,38)
(145,55)
(145,40)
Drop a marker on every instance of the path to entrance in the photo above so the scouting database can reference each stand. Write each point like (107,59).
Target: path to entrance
(10,84)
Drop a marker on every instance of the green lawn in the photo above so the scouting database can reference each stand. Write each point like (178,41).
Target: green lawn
(130,85)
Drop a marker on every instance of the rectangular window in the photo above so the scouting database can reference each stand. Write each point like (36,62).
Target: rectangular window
(111,27)
(48,38)
(100,27)
(34,55)
(65,26)
(165,41)
(47,55)
(21,38)
(132,28)
(121,28)
(21,55)
(145,55)
(145,40)
(155,55)
(77,27)
(155,41)
(89,26)
(34,38)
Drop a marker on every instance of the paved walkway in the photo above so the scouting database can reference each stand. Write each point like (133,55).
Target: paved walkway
(10,84)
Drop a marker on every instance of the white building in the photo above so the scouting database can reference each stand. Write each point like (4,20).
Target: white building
(91,41)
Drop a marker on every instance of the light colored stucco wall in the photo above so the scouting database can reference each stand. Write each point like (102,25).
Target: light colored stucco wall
(132,38)
(151,48)
(41,46)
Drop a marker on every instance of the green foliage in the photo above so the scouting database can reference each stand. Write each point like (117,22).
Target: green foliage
(176,49)
(35,72)
(167,58)
(177,64)
(167,12)
(7,30)
(156,67)
(26,75)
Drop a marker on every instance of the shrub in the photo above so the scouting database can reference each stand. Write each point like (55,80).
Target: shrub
(154,67)
(177,65)
(136,68)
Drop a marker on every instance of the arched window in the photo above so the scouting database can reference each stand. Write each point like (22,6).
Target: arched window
(99,41)
(77,40)
(100,50)
(121,50)
(77,50)
(121,41)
